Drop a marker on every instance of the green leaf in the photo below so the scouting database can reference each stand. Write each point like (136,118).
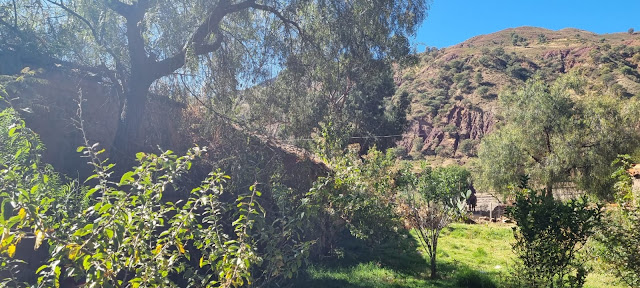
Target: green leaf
(91,177)
(80,148)
(126,178)
(109,233)
(104,208)
(86,264)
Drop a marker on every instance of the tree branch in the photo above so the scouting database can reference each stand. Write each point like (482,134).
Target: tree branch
(277,13)
(197,41)
(119,7)
(73,13)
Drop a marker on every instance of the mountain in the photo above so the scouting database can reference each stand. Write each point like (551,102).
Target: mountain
(454,90)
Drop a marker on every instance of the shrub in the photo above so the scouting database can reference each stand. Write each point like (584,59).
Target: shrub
(439,150)
(359,195)
(621,235)
(482,91)
(463,84)
(467,146)
(478,77)
(630,31)
(517,40)
(518,72)
(607,79)
(121,231)
(450,129)
(626,70)
(467,278)
(547,236)
(542,38)
(619,90)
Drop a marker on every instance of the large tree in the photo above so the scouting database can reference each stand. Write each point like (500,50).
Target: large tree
(222,45)
(556,133)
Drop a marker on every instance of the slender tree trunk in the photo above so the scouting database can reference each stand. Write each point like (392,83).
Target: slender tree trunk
(434,239)
(433,266)
(549,188)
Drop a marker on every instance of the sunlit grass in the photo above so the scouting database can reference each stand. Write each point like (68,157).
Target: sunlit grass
(481,253)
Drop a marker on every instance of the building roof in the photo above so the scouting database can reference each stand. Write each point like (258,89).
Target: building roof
(635,170)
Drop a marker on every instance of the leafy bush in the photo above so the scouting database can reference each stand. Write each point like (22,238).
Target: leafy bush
(473,279)
(482,91)
(548,235)
(542,38)
(518,72)
(358,196)
(120,232)
(518,40)
(467,146)
(621,235)
(626,70)
(478,77)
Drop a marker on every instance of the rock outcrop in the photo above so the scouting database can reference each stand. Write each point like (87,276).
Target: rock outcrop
(460,123)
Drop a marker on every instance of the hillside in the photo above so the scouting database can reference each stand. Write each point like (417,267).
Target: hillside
(454,90)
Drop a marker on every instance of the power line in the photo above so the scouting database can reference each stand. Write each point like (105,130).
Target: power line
(353,137)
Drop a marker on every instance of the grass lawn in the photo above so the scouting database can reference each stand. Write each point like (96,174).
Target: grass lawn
(479,254)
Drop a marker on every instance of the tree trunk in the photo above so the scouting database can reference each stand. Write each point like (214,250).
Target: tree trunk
(129,135)
(433,265)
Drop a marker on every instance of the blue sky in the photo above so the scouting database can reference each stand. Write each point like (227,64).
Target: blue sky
(453,21)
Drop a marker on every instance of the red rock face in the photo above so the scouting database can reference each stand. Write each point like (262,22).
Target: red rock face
(469,123)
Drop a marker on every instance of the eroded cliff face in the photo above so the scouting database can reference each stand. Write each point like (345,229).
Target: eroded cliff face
(460,123)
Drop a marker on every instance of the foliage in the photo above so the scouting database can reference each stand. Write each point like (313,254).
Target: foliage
(548,235)
(358,196)
(468,147)
(24,180)
(482,91)
(631,30)
(219,48)
(474,279)
(518,40)
(553,137)
(621,235)
(431,200)
(542,38)
(121,233)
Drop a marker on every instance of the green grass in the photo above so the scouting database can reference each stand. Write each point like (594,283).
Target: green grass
(468,256)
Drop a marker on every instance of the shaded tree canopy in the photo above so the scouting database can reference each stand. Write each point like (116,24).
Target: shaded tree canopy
(215,46)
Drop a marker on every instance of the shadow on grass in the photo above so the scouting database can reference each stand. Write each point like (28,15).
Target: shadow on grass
(396,263)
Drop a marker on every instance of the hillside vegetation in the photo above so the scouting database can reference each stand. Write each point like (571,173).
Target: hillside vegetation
(454,90)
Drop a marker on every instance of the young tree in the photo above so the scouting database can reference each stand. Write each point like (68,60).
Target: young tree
(548,235)
(432,200)
(221,45)
(553,138)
